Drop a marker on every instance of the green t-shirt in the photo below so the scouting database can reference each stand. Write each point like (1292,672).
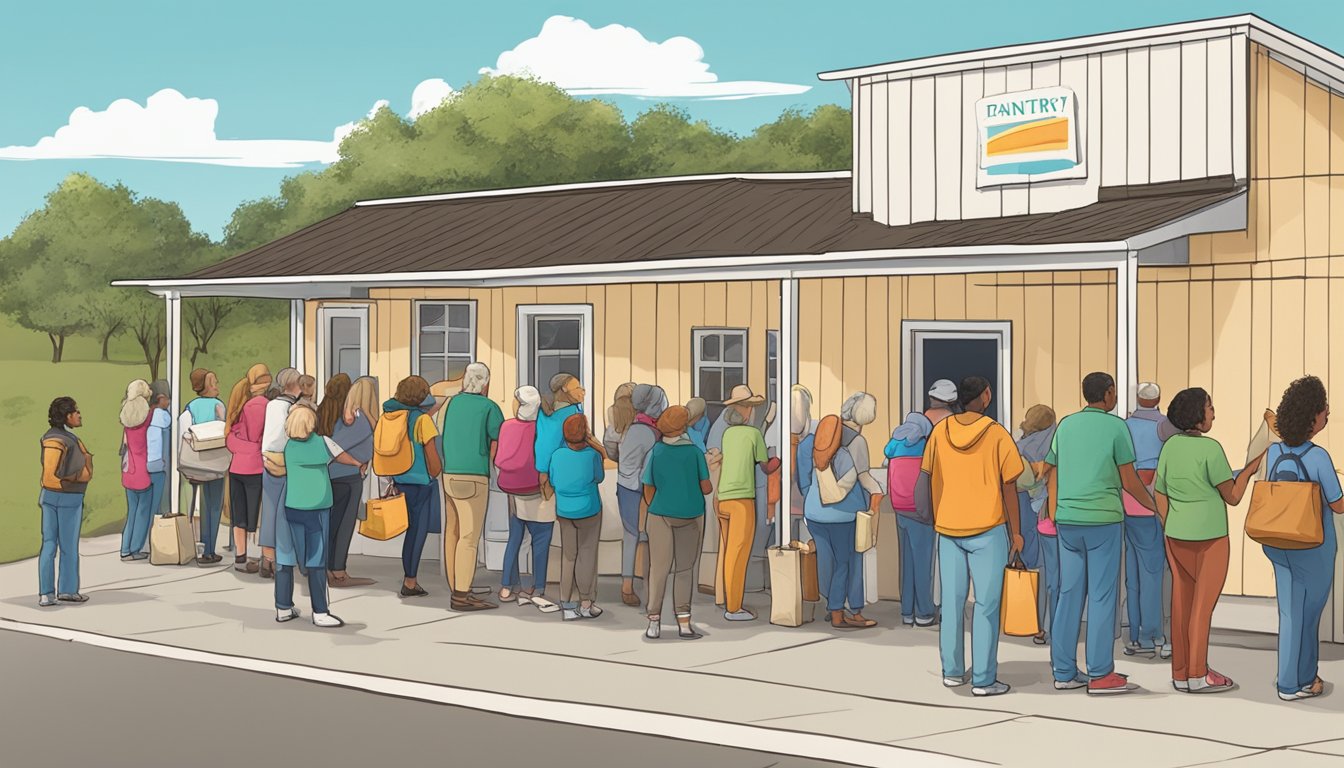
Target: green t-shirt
(743,448)
(1088,449)
(1189,471)
(675,472)
(470,422)
(307,479)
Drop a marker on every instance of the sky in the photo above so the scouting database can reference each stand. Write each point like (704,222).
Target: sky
(213,104)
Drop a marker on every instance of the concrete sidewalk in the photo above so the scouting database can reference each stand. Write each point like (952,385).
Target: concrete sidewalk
(881,686)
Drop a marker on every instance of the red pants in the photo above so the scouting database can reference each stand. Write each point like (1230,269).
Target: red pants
(1198,572)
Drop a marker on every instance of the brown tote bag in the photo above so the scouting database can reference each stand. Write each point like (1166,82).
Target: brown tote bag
(1286,513)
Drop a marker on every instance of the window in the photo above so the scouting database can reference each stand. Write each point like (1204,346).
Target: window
(720,356)
(557,348)
(772,366)
(445,339)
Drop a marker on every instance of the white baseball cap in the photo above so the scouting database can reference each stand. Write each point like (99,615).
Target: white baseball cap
(944,390)
(1149,391)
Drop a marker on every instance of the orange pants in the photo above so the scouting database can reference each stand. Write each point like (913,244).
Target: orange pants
(1198,570)
(737,529)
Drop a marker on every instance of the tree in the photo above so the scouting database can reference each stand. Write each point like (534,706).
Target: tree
(148,326)
(204,318)
(107,319)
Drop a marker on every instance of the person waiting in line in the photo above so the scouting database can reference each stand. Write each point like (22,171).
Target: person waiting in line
(743,451)
(529,514)
(1145,555)
(245,420)
(308,390)
(698,423)
(341,417)
(1303,577)
(410,413)
(575,473)
(942,401)
(136,417)
(286,392)
(205,408)
(639,439)
(308,500)
(858,411)
(970,469)
(67,470)
(158,443)
(1194,485)
(802,425)
(564,399)
(914,521)
(1037,430)
(620,415)
(676,481)
(471,423)
(1092,455)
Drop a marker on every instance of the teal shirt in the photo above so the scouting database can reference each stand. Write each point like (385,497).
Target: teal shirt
(1088,449)
(470,423)
(675,472)
(307,480)
(551,435)
(204,410)
(575,476)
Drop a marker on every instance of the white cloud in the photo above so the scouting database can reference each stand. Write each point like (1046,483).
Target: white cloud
(618,60)
(345,129)
(168,127)
(428,95)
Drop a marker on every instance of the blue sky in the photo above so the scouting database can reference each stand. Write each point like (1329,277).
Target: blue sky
(291,73)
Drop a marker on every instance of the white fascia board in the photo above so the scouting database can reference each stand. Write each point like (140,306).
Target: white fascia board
(509,192)
(1227,216)
(1076,46)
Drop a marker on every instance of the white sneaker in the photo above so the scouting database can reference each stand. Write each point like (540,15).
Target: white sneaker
(742,615)
(544,605)
(655,630)
(327,620)
(591,612)
(995,689)
(1181,685)
(1071,685)
(953,682)
(571,614)
(286,614)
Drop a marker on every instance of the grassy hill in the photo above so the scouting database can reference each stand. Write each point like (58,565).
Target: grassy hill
(31,381)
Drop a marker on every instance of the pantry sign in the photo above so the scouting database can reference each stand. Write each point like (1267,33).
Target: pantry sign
(1028,136)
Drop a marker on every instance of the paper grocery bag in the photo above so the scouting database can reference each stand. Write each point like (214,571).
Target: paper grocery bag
(810,585)
(171,542)
(1261,441)
(786,586)
(1017,611)
(385,518)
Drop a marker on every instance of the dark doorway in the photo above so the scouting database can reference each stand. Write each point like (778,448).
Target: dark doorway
(955,359)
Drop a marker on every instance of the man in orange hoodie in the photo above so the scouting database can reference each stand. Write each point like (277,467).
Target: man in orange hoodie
(970,469)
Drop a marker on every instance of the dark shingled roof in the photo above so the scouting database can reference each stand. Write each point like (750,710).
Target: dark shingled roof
(674,219)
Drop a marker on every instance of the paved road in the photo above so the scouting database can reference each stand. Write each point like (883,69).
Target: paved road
(74,705)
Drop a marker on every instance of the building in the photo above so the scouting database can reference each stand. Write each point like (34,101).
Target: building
(1157,203)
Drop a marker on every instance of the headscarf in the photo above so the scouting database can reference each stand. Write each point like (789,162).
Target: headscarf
(672,422)
(826,441)
(529,402)
(254,384)
(649,400)
(915,428)
(1038,419)
(135,406)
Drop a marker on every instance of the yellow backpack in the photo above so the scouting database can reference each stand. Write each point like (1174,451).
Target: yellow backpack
(393,452)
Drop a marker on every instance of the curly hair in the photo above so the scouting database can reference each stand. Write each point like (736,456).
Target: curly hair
(1186,409)
(1302,402)
(60,409)
(412,391)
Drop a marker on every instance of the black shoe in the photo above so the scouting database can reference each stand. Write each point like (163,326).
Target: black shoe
(415,591)
(72,597)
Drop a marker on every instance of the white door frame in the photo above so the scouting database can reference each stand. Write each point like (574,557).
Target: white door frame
(324,313)
(914,330)
(526,313)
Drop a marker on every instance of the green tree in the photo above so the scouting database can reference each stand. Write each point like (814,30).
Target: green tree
(665,142)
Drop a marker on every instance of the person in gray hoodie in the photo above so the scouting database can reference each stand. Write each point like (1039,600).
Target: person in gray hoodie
(649,403)
(1040,542)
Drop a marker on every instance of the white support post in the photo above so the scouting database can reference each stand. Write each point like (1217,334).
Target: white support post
(787,375)
(1126,333)
(296,330)
(173,303)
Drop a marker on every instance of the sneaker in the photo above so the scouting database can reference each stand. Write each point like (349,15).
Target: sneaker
(327,620)
(995,689)
(685,630)
(544,605)
(908,621)
(73,597)
(1305,693)
(1071,685)
(654,631)
(1165,653)
(1111,684)
(591,612)
(1181,685)
(1210,683)
(134,556)
(742,615)
(925,623)
(1134,649)
(571,614)
(286,614)
(47,601)
(953,682)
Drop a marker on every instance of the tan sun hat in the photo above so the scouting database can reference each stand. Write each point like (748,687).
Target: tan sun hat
(742,395)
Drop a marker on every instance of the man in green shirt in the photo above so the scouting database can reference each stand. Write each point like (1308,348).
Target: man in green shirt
(743,450)
(1093,456)
(471,423)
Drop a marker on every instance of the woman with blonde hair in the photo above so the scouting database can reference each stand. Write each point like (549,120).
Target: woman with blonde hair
(340,417)
(307,500)
(620,415)
(135,418)
(245,420)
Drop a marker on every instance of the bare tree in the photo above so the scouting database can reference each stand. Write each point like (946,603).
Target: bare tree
(107,318)
(149,328)
(204,318)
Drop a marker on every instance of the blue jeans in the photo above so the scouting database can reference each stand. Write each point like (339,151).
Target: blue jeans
(1031,539)
(917,542)
(1145,564)
(965,562)
(308,533)
(628,501)
(1089,573)
(835,564)
(1302,587)
(541,552)
(422,502)
(139,510)
(1049,579)
(212,507)
(62,514)
(272,509)
(158,483)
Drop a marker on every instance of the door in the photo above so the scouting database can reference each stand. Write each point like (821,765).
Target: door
(933,350)
(342,342)
(553,339)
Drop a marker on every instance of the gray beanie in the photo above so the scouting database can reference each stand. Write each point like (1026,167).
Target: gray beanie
(649,400)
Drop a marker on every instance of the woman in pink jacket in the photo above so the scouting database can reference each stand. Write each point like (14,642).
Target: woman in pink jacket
(529,513)
(245,420)
(135,417)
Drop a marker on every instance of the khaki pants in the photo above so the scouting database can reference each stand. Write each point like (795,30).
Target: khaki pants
(737,529)
(674,544)
(578,559)
(464,518)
